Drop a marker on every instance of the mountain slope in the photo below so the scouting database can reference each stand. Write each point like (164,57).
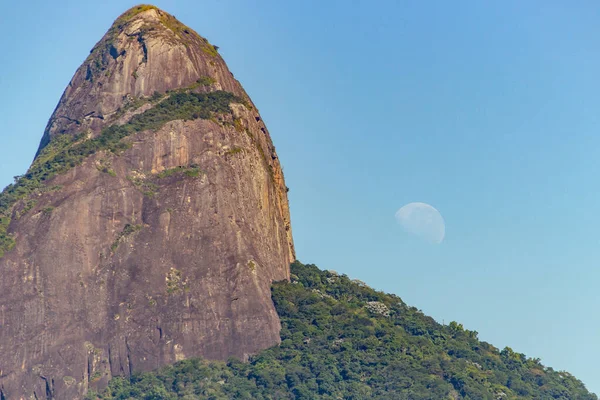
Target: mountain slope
(341,339)
(151,223)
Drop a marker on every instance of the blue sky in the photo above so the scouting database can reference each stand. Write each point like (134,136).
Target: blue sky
(488,111)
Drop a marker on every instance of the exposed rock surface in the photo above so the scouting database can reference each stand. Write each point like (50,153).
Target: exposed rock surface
(162,252)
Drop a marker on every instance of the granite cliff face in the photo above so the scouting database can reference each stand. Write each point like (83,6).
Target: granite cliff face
(129,248)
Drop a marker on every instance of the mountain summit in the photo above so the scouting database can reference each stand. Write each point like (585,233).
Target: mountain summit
(150,225)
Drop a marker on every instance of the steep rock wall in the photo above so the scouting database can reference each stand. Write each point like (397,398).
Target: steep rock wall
(164,251)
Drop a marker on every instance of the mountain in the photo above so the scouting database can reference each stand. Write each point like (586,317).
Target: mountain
(343,340)
(152,233)
(150,225)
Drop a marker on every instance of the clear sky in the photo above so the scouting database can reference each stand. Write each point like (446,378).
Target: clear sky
(489,111)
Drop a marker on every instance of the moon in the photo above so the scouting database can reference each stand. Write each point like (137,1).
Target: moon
(422,220)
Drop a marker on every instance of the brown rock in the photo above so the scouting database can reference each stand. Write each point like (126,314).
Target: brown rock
(132,269)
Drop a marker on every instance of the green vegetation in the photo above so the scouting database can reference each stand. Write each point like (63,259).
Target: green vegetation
(239,126)
(344,340)
(132,12)
(96,376)
(48,210)
(151,301)
(175,282)
(234,150)
(188,106)
(252,266)
(145,182)
(168,172)
(69,380)
(127,231)
(203,81)
(28,205)
(105,166)
(210,49)
(65,152)
(137,102)
(142,184)
(7,242)
(156,96)
(191,171)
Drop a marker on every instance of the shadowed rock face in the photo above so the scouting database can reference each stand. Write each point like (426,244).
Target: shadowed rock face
(160,252)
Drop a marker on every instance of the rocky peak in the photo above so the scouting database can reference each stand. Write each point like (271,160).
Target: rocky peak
(151,224)
(145,51)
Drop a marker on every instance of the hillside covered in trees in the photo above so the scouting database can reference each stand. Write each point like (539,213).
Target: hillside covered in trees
(344,340)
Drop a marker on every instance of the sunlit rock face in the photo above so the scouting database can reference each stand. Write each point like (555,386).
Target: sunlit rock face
(163,251)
